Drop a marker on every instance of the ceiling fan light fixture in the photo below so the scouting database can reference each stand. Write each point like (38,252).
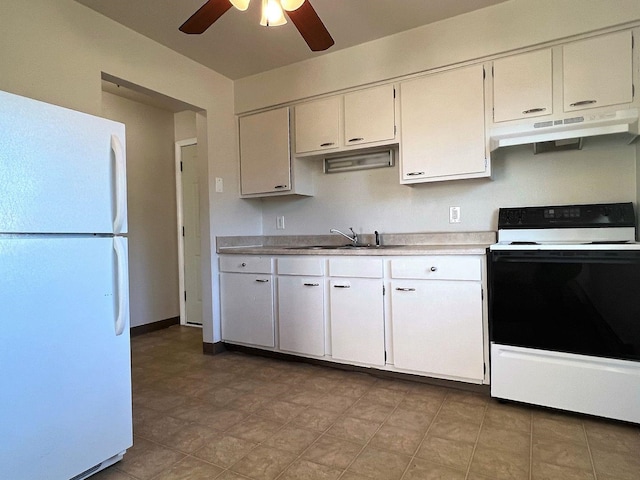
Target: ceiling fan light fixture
(291,5)
(240,4)
(272,14)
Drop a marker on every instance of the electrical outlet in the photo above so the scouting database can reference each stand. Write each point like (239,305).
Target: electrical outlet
(280,222)
(454,214)
(219,185)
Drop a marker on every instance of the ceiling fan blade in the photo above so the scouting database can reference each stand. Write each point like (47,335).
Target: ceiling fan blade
(311,27)
(205,16)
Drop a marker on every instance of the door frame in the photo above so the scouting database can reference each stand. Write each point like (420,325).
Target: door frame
(180,220)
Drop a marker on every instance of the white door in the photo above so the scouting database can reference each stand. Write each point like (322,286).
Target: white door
(598,71)
(357,320)
(437,327)
(301,314)
(64,373)
(191,235)
(61,171)
(246,303)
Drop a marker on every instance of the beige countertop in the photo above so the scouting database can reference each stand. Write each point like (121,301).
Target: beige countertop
(465,243)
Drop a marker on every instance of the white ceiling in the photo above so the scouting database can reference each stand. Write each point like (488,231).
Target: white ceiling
(237,46)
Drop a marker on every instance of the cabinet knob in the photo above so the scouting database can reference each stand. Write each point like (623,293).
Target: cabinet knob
(434,269)
(582,102)
(533,110)
(243,264)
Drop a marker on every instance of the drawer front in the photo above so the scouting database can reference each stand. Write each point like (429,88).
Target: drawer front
(356,267)
(312,266)
(245,264)
(441,267)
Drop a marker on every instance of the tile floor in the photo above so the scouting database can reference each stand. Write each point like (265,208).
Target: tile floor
(235,416)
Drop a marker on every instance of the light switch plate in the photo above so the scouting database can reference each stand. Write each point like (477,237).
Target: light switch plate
(219,185)
(454,214)
(280,222)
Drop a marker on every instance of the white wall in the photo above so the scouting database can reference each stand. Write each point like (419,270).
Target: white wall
(56,51)
(185,125)
(153,244)
(374,200)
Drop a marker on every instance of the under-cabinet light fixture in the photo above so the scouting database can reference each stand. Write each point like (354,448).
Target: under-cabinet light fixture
(362,161)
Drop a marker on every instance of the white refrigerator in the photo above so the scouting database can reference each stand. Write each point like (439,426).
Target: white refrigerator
(65,370)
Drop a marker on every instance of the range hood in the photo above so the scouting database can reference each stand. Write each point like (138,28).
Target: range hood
(576,126)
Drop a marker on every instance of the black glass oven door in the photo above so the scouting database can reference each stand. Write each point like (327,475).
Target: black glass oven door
(585,302)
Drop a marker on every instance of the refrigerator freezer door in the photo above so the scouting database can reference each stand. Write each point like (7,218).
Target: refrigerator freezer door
(61,171)
(65,375)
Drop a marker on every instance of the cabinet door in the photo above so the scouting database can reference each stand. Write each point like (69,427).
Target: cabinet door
(265,160)
(442,119)
(369,115)
(522,86)
(357,320)
(598,72)
(301,314)
(318,125)
(437,327)
(246,302)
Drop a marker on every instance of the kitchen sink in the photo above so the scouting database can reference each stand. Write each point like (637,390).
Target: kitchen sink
(342,247)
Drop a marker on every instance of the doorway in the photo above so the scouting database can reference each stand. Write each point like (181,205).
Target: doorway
(189,236)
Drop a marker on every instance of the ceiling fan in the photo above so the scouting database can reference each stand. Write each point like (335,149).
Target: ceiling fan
(301,13)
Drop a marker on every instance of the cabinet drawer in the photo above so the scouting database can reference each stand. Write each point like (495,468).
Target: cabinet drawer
(450,267)
(245,264)
(356,267)
(301,266)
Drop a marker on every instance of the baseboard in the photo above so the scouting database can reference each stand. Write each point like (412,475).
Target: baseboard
(213,348)
(469,387)
(154,326)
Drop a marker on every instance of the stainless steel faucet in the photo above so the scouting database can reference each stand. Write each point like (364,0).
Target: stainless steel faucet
(353,239)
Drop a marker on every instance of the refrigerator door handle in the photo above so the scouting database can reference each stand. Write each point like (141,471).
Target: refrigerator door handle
(122,279)
(121,184)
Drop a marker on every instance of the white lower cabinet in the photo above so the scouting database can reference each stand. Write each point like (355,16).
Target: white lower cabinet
(437,323)
(431,322)
(356,310)
(246,300)
(301,305)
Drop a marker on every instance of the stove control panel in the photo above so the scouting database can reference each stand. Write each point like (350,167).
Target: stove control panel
(568,216)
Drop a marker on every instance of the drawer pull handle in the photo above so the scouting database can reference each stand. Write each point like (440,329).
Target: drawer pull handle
(311,284)
(412,174)
(327,144)
(405,289)
(582,102)
(261,280)
(280,186)
(342,286)
(434,269)
(533,110)
(357,139)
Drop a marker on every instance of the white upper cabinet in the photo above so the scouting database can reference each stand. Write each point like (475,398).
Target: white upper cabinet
(345,122)
(523,86)
(318,125)
(443,126)
(598,72)
(369,115)
(266,166)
